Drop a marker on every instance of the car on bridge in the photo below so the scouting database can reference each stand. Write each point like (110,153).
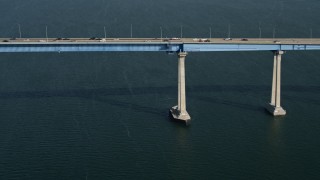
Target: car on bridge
(201,40)
(204,40)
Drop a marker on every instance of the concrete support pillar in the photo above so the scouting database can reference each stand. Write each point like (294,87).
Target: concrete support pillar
(179,112)
(275,107)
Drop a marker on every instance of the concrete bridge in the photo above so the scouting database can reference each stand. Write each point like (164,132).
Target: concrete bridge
(172,45)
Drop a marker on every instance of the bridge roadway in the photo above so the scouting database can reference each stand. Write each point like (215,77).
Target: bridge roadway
(181,46)
(165,40)
(155,44)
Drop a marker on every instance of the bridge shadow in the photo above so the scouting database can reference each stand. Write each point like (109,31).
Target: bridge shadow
(151,90)
(132,106)
(240,105)
(257,90)
(102,94)
(99,95)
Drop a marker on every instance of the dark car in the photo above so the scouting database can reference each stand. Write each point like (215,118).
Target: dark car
(244,39)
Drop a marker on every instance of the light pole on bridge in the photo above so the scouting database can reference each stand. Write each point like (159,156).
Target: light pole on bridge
(47,33)
(274,33)
(259,30)
(229,31)
(19,27)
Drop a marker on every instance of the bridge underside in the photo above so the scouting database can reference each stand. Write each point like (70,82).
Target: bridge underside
(248,47)
(48,47)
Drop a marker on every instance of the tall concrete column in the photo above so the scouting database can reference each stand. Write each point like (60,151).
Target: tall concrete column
(274,80)
(179,112)
(275,107)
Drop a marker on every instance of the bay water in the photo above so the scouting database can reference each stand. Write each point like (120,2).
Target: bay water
(106,115)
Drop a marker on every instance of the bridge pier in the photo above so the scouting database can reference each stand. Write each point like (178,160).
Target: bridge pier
(274,106)
(179,111)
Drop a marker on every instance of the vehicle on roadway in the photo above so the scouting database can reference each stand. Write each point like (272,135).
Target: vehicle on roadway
(204,40)
(201,40)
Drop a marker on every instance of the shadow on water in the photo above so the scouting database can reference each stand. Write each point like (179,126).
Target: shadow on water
(85,93)
(302,99)
(101,93)
(132,106)
(229,103)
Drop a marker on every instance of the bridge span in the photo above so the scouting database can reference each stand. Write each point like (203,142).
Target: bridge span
(154,44)
(182,47)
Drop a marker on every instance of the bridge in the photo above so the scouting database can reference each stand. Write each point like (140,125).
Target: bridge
(172,45)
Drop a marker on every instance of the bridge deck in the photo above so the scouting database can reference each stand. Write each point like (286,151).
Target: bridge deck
(155,44)
(162,40)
